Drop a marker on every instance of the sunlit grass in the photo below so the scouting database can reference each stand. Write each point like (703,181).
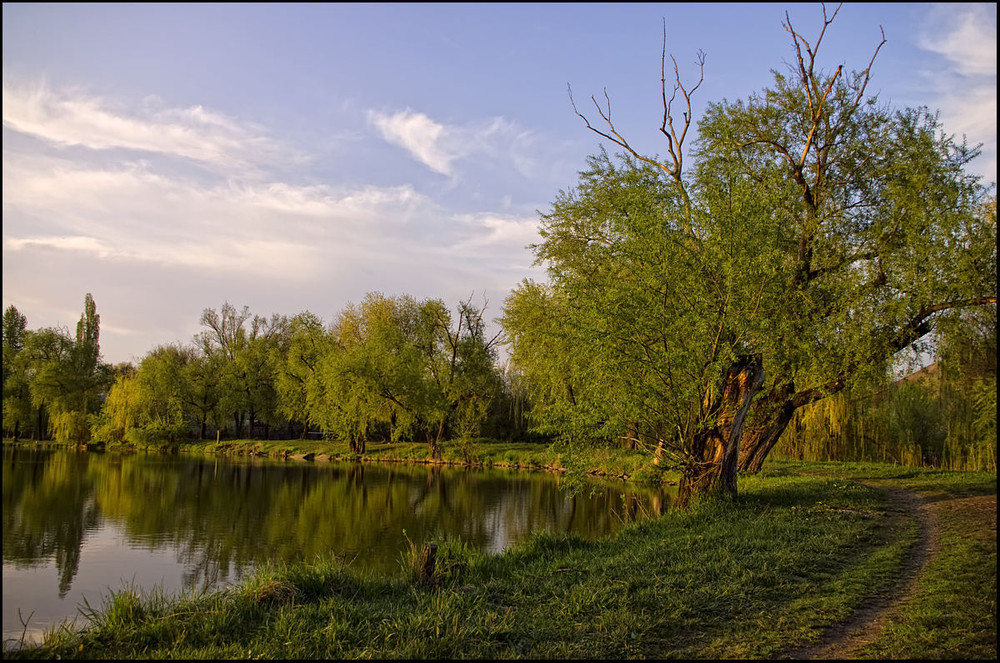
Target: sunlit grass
(954,611)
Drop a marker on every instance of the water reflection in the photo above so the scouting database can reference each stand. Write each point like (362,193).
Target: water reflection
(217,517)
(59,508)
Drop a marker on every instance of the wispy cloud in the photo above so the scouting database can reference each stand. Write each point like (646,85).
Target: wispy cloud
(70,117)
(439,146)
(966,37)
(103,194)
(130,215)
(75,243)
(419,135)
(492,232)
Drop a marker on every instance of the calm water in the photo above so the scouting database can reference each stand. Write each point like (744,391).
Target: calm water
(78,524)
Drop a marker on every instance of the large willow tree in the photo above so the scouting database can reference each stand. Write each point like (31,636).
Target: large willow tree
(691,312)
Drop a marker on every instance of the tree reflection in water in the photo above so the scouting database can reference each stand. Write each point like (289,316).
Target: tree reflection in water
(221,516)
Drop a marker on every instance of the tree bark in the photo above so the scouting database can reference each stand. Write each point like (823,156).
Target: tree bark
(759,439)
(774,413)
(713,453)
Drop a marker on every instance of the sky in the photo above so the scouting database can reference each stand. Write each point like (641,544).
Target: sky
(169,158)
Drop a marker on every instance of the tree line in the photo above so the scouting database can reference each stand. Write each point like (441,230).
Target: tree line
(696,304)
(389,368)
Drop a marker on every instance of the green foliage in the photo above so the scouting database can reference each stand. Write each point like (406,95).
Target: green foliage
(641,313)
(405,368)
(816,229)
(154,404)
(307,342)
(120,411)
(71,427)
(390,369)
(246,352)
(17,408)
(62,377)
(944,416)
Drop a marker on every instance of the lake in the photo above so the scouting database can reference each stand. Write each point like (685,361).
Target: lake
(78,524)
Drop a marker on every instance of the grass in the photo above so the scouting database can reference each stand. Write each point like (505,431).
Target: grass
(954,614)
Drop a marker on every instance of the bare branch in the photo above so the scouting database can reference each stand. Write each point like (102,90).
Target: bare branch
(675,135)
(868,70)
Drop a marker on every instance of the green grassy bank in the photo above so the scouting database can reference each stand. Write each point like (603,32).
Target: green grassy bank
(803,546)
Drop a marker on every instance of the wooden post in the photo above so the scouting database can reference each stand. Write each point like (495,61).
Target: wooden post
(427,559)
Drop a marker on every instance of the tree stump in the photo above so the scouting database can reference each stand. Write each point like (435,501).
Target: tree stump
(427,560)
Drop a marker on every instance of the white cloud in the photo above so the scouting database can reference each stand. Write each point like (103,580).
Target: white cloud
(104,201)
(966,37)
(129,213)
(438,146)
(492,231)
(419,135)
(156,250)
(72,118)
(76,243)
(130,216)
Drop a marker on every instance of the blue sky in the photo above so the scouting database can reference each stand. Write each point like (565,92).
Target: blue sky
(168,157)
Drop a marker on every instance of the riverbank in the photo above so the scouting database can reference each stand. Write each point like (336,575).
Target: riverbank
(804,547)
(615,463)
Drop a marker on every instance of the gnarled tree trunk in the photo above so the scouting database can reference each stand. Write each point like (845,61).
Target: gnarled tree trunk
(713,453)
(772,415)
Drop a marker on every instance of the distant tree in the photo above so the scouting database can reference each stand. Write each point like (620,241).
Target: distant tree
(376,375)
(121,413)
(87,348)
(307,342)
(50,369)
(15,325)
(202,393)
(147,407)
(243,344)
(66,378)
(469,377)
(405,365)
(161,392)
(16,395)
(967,361)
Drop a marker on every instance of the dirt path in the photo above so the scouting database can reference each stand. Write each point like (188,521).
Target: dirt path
(844,639)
